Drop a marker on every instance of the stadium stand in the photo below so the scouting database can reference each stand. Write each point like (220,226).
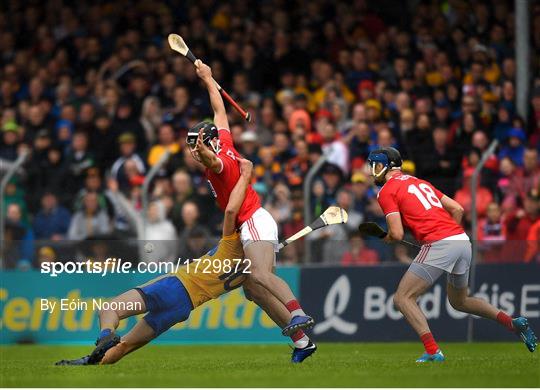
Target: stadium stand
(93,92)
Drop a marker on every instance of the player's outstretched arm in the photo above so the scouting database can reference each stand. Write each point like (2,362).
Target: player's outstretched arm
(453,208)
(220,115)
(395,228)
(237,196)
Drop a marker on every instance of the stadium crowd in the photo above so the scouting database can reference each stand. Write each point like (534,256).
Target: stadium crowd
(94,95)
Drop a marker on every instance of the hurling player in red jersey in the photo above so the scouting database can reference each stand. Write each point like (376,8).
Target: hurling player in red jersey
(434,220)
(212,145)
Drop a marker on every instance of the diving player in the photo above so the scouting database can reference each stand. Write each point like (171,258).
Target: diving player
(169,299)
(434,219)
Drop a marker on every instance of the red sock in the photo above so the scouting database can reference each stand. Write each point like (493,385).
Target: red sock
(297,335)
(429,343)
(294,308)
(505,320)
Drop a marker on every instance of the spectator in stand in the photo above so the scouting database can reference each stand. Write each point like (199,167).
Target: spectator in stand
(128,151)
(463,197)
(531,170)
(334,148)
(298,167)
(126,118)
(514,148)
(344,199)
(359,139)
(440,165)
(518,224)
(191,223)
(249,146)
(492,234)
(90,220)
(279,203)
(103,141)
(151,117)
(52,220)
(332,177)
(294,224)
(10,142)
(197,242)
(183,192)
(268,171)
(23,236)
(361,191)
(92,183)
(166,141)
(153,226)
(78,159)
(358,253)
(509,184)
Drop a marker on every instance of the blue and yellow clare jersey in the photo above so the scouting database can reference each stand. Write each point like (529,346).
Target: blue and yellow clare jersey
(217,272)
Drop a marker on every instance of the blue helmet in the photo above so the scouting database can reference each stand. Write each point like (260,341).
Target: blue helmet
(389,157)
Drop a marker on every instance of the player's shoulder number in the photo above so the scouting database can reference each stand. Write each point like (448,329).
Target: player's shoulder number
(425,194)
(230,153)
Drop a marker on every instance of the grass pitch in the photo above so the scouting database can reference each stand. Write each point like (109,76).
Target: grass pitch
(334,365)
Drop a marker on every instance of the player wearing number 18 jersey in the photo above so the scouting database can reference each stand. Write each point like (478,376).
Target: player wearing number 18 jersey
(420,207)
(434,220)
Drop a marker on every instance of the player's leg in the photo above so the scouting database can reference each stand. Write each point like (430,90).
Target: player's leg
(304,347)
(260,238)
(140,335)
(266,301)
(409,289)
(458,296)
(261,254)
(418,278)
(108,322)
(110,318)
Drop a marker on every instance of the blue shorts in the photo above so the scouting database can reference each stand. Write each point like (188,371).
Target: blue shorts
(167,302)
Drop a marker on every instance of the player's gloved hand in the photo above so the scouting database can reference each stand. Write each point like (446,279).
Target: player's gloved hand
(388,239)
(203,71)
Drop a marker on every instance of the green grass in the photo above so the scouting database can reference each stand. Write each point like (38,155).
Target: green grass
(334,365)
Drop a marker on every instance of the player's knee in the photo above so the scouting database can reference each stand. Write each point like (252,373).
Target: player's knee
(259,277)
(398,300)
(457,303)
(247,294)
(255,292)
(256,278)
(104,312)
(249,290)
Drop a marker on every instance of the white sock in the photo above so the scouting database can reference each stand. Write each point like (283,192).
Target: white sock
(302,343)
(297,312)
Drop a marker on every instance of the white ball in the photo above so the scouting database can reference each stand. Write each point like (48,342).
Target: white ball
(148,247)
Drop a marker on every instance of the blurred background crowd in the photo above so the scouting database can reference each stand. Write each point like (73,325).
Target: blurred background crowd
(94,95)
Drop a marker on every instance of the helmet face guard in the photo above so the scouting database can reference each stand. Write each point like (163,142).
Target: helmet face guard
(390,158)
(378,158)
(210,138)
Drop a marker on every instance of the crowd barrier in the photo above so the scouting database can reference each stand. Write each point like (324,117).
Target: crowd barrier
(348,303)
